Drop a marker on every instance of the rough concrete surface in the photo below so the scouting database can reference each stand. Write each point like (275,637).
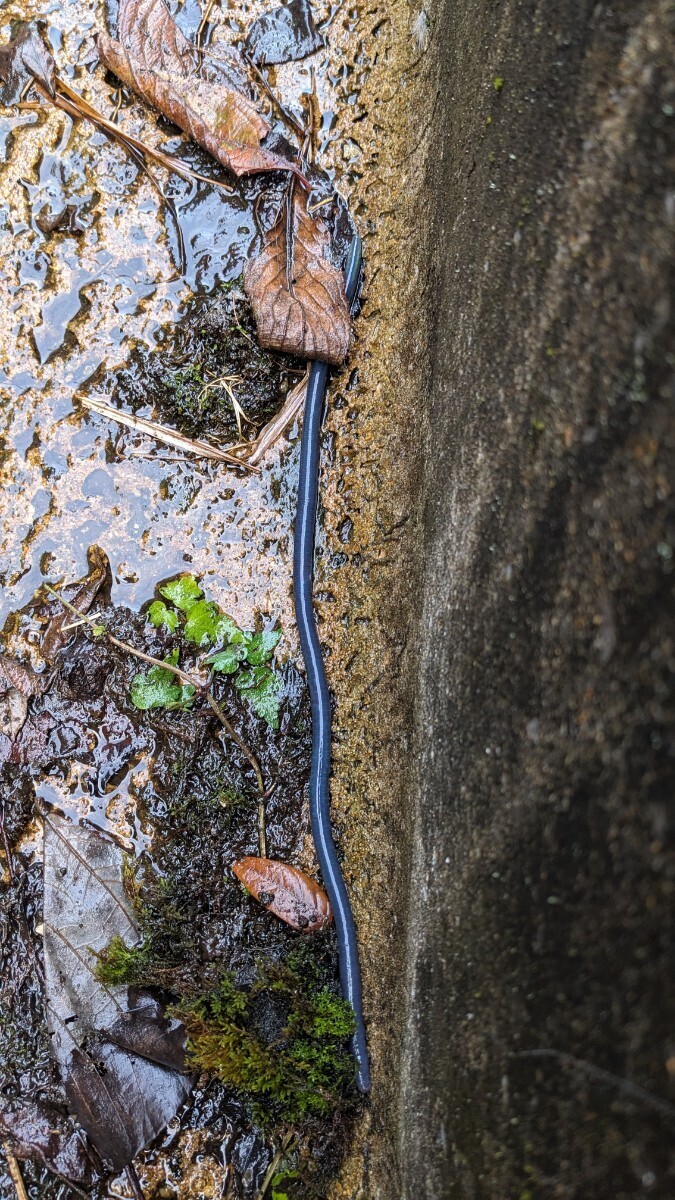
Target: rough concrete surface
(538,1057)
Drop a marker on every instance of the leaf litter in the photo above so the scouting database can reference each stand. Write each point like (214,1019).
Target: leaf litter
(154,59)
(179,914)
(298,296)
(121,1058)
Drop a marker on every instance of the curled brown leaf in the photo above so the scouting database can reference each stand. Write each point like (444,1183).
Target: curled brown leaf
(286,891)
(152,57)
(298,296)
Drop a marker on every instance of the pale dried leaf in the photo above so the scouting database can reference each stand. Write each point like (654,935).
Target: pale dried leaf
(109,1041)
(154,59)
(298,296)
(286,891)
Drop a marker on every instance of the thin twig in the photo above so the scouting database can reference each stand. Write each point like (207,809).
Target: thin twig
(312,208)
(283,112)
(161,434)
(15,1172)
(191,680)
(5,842)
(76,106)
(166,160)
(253,452)
(204,22)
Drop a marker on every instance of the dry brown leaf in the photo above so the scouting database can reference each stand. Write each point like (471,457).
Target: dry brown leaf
(298,296)
(154,59)
(286,891)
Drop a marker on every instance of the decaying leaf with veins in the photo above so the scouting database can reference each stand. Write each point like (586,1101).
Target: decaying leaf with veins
(152,57)
(21,676)
(39,1132)
(121,1058)
(286,891)
(298,296)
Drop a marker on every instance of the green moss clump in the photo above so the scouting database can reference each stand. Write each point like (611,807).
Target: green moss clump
(303,1069)
(119,963)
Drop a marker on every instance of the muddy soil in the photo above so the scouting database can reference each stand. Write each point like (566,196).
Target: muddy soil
(180,795)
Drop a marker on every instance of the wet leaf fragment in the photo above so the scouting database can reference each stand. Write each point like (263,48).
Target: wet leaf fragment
(18,682)
(20,676)
(39,1132)
(81,597)
(121,1058)
(285,34)
(23,61)
(286,891)
(152,57)
(298,296)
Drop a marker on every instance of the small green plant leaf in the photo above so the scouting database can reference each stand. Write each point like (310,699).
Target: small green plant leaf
(159,615)
(161,689)
(262,646)
(183,592)
(98,630)
(229,631)
(228,660)
(261,687)
(282,1177)
(204,624)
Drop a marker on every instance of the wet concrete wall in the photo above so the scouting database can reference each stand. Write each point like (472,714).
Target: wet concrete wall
(538,1058)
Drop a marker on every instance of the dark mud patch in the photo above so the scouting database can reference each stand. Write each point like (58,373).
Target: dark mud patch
(208,376)
(184,800)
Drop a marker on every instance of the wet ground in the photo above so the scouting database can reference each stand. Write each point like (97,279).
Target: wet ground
(182,799)
(99,309)
(80,305)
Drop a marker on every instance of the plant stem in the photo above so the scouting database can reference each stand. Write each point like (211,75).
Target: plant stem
(272,1169)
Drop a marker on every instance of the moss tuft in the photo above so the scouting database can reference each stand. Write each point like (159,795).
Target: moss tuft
(304,1069)
(119,963)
